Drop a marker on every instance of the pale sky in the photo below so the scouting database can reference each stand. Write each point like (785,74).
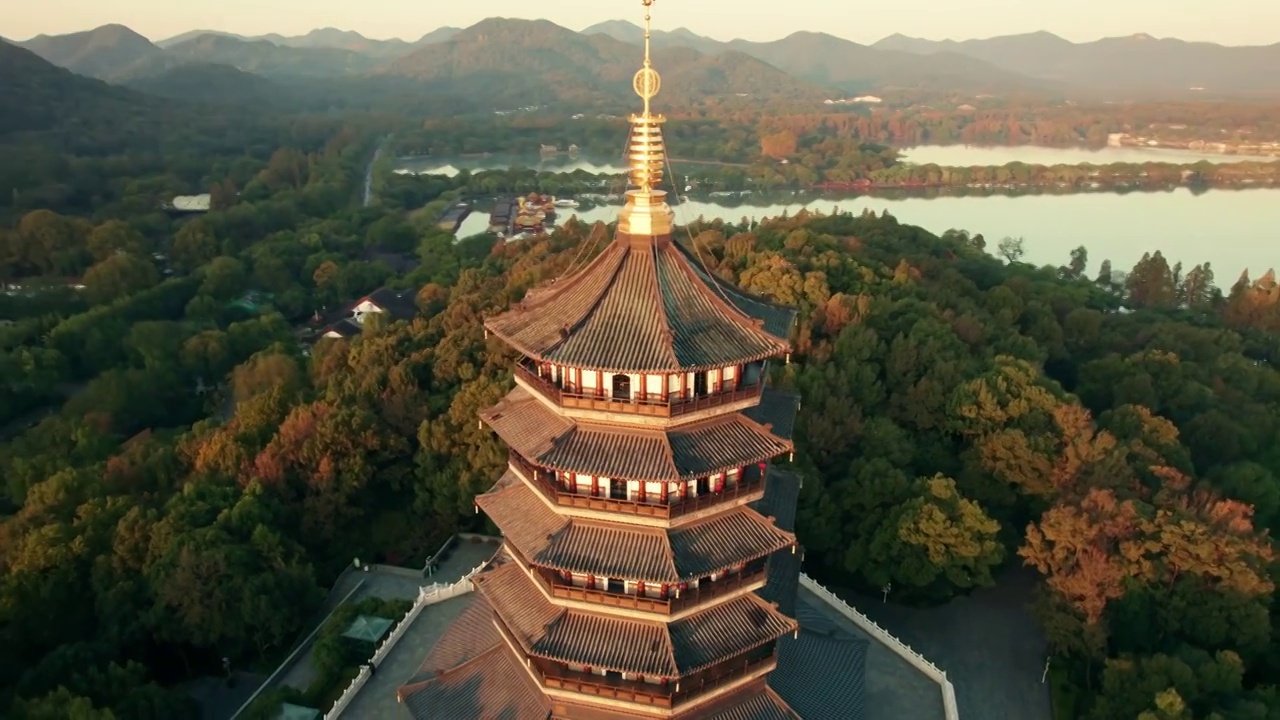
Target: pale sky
(1232,22)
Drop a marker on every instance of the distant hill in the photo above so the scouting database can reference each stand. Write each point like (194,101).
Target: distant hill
(211,83)
(101,52)
(255,56)
(192,34)
(531,60)
(42,98)
(1137,64)
(831,61)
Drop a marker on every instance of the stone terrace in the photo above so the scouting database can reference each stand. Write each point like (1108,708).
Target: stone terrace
(895,690)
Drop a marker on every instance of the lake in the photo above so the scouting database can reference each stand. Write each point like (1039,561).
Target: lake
(982,155)
(1232,229)
(952,155)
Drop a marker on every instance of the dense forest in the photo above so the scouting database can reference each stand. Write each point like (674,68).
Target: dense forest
(185,472)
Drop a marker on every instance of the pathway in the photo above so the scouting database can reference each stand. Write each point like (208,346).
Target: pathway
(988,643)
(391,583)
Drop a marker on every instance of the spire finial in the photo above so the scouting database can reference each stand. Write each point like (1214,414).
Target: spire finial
(647,82)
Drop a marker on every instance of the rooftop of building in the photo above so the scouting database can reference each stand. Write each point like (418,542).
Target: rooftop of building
(831,669)
(641,308)
(728,441)
(655,555)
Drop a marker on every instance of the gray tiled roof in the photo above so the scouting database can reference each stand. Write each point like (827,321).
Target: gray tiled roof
(545,438)
(777,319)
(656,649)
(757,704)
(638,309)
(783,580)
(781,493)
(631,552)
(822,676)
(776,411)
(492,685)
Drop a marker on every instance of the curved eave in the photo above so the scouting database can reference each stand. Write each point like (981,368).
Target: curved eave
(641,370)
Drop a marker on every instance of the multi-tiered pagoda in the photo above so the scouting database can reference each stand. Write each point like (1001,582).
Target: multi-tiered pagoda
(649,565)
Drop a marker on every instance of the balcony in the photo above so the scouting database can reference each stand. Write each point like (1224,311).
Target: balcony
(652,407)
(692,597)
(664,695)
(751,481)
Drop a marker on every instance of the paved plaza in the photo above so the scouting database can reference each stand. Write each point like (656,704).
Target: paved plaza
(895,689)
(988,643)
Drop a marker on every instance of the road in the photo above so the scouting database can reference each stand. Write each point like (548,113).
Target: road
(368,172)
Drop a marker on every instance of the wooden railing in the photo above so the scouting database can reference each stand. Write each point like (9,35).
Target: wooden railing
(671,694)
(750,481)
(665,407)
(690,597)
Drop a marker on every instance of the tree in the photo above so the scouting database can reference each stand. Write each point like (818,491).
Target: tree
(939,536)
(1011,249)
(118,276)
(116,236)
(194,245)
(224,278)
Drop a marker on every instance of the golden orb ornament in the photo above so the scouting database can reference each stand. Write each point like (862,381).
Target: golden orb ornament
(646,82)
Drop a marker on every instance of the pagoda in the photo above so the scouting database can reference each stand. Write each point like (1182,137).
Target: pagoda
(649,562)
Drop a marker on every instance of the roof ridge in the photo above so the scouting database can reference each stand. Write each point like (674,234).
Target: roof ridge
(655,291)
(671,553)
(558,288)
(730,311)
(742,417)
(567,331)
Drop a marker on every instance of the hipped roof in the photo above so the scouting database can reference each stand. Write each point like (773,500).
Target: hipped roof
(551,440)
(644,308)
(548,539)
(655,649)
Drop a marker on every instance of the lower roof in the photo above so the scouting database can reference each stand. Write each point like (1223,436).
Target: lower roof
(548,539)
(655,649)
(698,449)
(471,672)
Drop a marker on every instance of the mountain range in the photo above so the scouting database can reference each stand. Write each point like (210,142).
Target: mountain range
(531,58)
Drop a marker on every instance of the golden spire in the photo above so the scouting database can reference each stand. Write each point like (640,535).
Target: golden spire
(646,212)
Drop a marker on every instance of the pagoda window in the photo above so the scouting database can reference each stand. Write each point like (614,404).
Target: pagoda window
(704,485)
(713,380)
(717,482)
(700,384)
(752,373)
(621,386)
(654,386)
(573,379)
(732,477)
(618,490)
(589,380)
(616,586)
(674,385)
(730,377)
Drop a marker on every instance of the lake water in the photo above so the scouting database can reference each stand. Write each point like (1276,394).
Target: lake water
(947,155)
(1232,229)
(984,155)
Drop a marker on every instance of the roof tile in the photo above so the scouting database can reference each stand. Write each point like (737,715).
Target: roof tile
(648,648)
(550,540)
(640,309)
(683,452)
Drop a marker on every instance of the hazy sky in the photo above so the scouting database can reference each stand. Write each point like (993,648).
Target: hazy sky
(1236,22)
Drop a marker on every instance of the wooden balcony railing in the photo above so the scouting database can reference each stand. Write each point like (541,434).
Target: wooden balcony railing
(656,407)
(667,695)
(750,481)
(689,597)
